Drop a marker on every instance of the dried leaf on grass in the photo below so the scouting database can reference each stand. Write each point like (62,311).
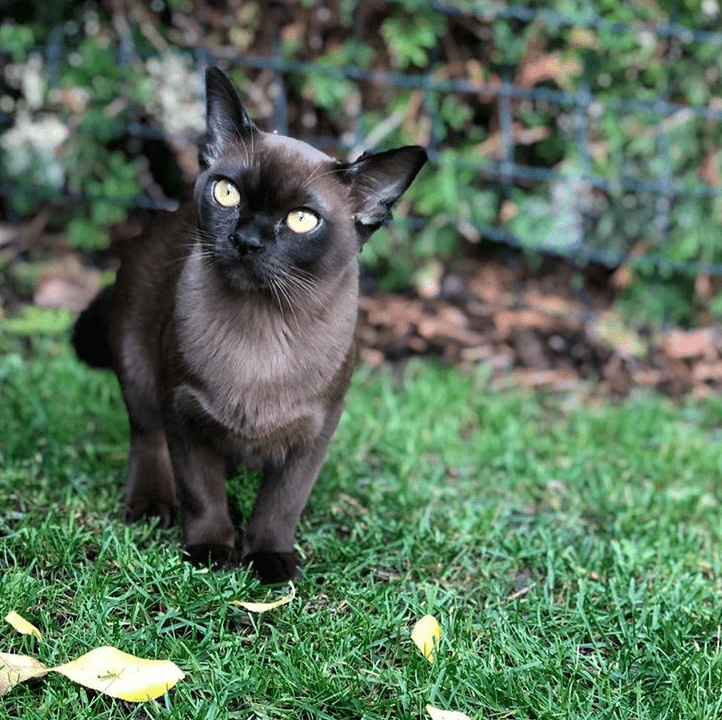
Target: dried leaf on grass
(426,635)
(15,669)
(437,714)
(121,675)
(105,669)
(257,607)
(21,624)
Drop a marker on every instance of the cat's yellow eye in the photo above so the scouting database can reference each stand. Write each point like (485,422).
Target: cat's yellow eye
(302,221)
(226,193)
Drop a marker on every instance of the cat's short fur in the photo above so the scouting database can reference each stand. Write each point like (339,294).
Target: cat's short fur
(231,329)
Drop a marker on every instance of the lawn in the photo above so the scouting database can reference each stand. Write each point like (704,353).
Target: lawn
(569,548)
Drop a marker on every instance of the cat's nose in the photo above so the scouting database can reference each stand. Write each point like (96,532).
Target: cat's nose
(246,242)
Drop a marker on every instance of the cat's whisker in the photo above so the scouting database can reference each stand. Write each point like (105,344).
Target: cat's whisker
(311,291)
(292,289)
(282,294)
(296,278)
(304,290)
(306,283)
(317,175)
(276,296)
(200,244)
(311,177)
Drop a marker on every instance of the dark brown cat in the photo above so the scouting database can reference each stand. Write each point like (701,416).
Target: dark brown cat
(231,329)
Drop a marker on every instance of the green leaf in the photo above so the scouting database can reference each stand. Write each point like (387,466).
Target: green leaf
(32,320)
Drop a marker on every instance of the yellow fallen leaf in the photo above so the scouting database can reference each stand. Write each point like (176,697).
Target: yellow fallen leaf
(426,635)
(262,607)
(437,714)
(120,675)
(105,669)
(15,669)
(21,624)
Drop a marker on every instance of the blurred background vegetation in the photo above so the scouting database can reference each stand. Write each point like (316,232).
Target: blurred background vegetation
(587,130)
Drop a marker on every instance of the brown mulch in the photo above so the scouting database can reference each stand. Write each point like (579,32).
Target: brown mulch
(535,331)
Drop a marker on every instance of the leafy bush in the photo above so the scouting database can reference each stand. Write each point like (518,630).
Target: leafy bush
(99,74)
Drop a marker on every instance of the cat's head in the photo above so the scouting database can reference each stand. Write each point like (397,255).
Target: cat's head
(275,213)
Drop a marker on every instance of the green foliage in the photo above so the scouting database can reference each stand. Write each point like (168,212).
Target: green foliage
(411,36)
(110,187)
(16,40)
(329,92)
(655,299)
(32,321)
(89,111)
(508,45)
(96,97)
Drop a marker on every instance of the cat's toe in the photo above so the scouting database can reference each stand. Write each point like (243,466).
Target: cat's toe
(163,510)
(217,556)
(274,567)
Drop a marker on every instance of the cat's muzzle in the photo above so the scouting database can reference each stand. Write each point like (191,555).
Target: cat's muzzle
(246,243)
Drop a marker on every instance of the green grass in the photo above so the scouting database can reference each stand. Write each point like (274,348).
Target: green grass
(570,551)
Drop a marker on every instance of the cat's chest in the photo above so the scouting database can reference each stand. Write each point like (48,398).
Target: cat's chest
(258,371)
(254,389)
(240,361)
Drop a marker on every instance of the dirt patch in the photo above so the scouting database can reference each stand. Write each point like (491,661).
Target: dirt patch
(532,329)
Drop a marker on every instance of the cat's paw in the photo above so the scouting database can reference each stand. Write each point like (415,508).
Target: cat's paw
(217,556)
(142,507)
(274,567)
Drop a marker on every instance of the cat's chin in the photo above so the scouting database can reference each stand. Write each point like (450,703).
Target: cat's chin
(240,278)
(242,284)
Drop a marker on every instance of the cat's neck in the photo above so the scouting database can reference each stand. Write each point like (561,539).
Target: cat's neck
(208,316)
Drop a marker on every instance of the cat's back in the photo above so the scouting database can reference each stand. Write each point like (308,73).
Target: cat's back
(154,257)
(146,282)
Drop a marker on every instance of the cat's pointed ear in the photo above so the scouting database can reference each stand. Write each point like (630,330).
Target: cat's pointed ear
(377,181)
(226,119)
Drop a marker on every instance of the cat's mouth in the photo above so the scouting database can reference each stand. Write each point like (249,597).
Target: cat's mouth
(244,273)
(246,268)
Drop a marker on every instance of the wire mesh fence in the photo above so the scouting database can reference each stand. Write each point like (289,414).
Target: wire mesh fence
(539,136)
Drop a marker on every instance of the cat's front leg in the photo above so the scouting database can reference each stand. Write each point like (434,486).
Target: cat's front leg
(208,533)
(282,496)
(151,486)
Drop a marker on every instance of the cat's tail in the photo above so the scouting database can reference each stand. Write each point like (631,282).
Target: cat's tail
(90,334)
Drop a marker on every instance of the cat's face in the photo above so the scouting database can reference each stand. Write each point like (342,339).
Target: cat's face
(276,214)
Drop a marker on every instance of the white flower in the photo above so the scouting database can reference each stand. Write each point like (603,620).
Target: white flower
(32,144)
(177,95)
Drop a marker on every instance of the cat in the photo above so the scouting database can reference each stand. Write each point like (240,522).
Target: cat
(231,328)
